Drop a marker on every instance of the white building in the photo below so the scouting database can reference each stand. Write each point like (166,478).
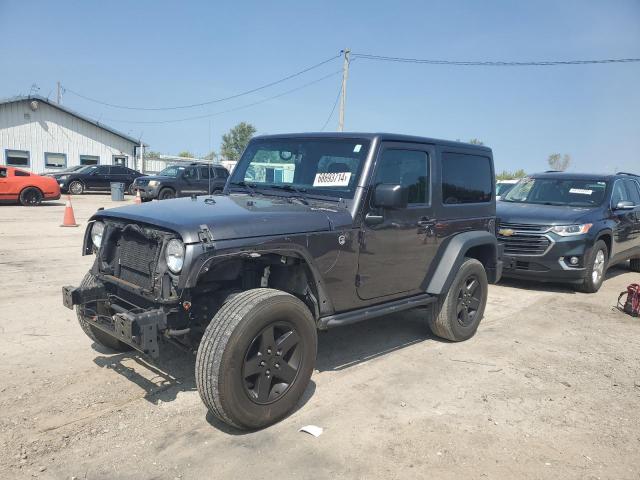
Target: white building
(39,135)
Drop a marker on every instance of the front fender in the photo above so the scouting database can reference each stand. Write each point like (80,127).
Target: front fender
(453,255)
(201,263)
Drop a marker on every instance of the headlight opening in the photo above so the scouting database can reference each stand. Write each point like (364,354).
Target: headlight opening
(174,255)
(97,229)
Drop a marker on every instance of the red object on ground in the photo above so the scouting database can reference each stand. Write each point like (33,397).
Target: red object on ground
(69,218)
(28,188)
(138,198)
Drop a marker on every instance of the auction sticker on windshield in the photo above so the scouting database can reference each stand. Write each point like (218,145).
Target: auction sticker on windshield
(581,191)
(332,179)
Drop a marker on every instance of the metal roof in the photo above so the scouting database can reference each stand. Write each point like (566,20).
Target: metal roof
(39,98)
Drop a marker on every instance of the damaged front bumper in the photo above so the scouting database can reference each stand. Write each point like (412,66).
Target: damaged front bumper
(135,327)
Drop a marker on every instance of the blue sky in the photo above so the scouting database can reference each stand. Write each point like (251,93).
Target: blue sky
(156,53)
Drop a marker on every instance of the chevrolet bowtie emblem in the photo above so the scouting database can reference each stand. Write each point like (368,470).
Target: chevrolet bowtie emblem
(506,232)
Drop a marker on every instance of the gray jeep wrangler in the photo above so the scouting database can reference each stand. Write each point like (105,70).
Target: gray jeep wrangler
(312,231)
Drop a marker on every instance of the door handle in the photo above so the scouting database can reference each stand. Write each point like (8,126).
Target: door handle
(371,220)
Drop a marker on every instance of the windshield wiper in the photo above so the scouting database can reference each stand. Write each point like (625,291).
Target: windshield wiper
(290,188)
(250,188)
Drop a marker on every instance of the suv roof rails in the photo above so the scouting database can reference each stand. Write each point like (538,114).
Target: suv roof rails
(553,171)
(628,173)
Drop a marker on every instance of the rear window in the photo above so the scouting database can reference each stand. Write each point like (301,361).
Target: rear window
(466,179)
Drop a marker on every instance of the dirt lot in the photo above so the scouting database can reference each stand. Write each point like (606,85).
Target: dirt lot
(548,388)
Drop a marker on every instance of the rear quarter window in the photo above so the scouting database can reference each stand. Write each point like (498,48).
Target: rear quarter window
(466,179)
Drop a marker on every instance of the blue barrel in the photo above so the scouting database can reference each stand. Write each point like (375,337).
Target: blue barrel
(117,192)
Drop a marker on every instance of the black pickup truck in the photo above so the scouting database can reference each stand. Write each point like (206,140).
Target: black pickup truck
(570,227)
(313,231)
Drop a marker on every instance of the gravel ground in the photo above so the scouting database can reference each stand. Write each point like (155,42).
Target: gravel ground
(548,388)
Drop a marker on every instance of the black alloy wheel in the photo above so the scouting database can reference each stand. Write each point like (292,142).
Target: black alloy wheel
(271,363)
(31,197)
(470,297)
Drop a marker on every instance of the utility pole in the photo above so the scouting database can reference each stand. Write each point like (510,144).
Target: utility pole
(59,97)
(343,95)
(141,148)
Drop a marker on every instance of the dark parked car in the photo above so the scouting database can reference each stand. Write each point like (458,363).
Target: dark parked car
(182,181)
(570,227)
(314,231)
(95,178)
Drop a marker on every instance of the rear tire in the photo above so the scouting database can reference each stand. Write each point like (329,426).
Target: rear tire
(458,315)
(98,336)
(596,268)
(166,194)
(256,357)
(31,197)
(634,264)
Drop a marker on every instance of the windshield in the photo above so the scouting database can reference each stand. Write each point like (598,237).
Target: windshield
(327,167)
(504,188)
(171,171)
(556,191)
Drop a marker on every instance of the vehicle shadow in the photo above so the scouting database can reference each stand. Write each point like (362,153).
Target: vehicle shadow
(163,379)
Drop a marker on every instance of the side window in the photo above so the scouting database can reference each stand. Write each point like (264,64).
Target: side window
(21,173)
(221,173)
(116,170)
(3,173)
(409,168)
(190,173)
(619,193)
(102,170)
(632,191)
(204,173)
(466,179)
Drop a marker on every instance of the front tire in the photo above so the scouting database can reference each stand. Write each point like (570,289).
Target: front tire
(31,197)
(634,264)
(76,188)
(98,336)
(596,268)
(166,194)
(256,357)
(458,315)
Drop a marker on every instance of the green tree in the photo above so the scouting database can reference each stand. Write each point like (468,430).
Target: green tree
(234,142)
(186,154)
(507,175)
(476,141)
(559,162)
(211,156)
(151,154)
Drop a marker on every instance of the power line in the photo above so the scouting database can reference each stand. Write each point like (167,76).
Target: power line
(550,63)
(208,102)
(210,115)
(333,109)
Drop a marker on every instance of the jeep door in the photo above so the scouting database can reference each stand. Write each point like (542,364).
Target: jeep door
(397,245)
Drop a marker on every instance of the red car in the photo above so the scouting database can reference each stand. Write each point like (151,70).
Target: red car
(27,188)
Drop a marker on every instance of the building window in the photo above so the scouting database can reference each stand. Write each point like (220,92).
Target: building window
(55,160)
(120,160)
(17,158)
(89,160)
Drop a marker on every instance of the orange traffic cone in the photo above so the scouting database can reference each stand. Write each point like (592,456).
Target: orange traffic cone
(138,198)
(69,218)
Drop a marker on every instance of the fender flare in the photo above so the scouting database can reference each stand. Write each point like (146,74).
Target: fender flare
(452,257)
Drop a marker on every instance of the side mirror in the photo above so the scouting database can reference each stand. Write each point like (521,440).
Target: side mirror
(625,205)
(390,196)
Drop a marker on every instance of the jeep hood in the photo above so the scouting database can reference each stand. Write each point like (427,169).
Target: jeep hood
(541,214)
(233,216)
